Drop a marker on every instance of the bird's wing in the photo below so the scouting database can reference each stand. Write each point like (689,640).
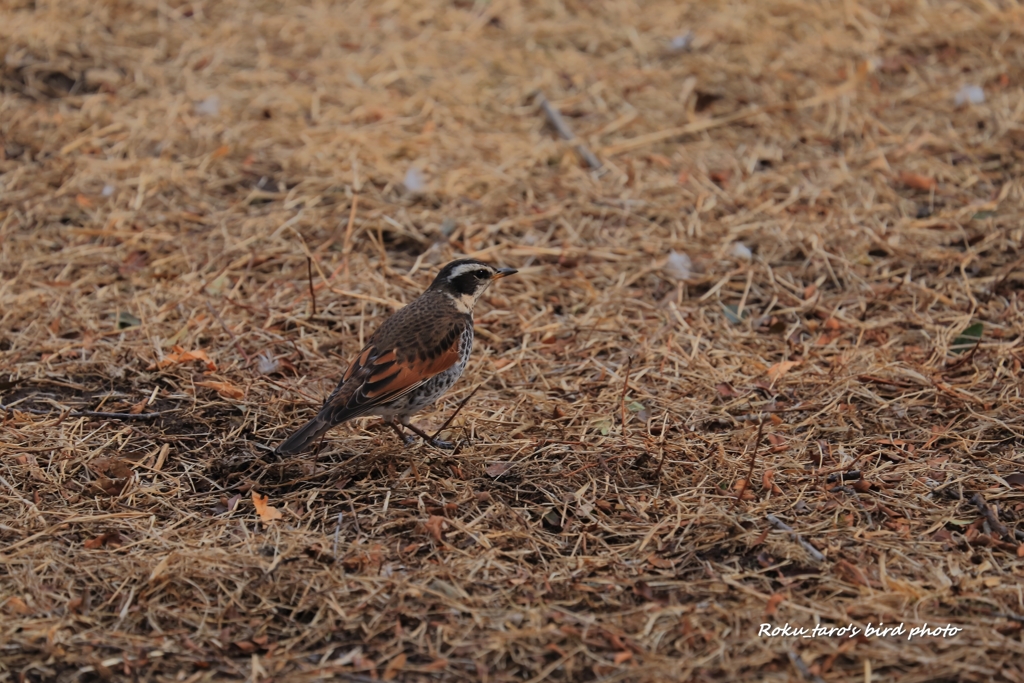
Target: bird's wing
(394,363)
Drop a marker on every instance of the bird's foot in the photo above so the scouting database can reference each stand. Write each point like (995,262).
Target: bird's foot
(432,440)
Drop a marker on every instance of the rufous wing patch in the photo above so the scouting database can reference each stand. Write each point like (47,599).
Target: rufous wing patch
(398,377)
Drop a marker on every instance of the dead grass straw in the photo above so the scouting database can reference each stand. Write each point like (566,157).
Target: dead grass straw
(841,227)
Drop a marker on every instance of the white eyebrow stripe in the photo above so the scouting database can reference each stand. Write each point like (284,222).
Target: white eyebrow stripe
(465,268)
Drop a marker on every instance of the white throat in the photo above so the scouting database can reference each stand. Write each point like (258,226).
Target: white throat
(464,303)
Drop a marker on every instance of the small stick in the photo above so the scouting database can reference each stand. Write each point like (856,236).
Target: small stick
(990,514)
(661,463)
(812,551)
(90,413)
(559,124)
(309,275)
(337,530)
(455,414)
(625,389)
(753,459)
(969,355)
(346,248)
(800,666)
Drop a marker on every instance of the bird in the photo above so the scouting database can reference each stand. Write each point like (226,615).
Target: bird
(413,358)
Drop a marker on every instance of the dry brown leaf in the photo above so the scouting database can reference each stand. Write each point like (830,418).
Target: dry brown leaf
(112,539)
(434,526)
(498,468)
(223,388)
(917,182)
(725,390)
(1016,479)
(180,355)
(394,666)
(773,604)
(266,512)
(659,562)
(622,657)
(18,606)
(779,370)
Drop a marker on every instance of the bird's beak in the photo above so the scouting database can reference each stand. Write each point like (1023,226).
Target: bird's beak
(503,272)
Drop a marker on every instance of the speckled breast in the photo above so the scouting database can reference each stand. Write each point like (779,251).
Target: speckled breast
(436,386)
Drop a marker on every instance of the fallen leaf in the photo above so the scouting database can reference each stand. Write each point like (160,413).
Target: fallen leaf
(126,320)
(779,370)
(773,604)
(498,468)
(917,182)
(622,657)
(394,666)
(968,339)
(768,482)
(659,562)
(223,388)
(134,262)
(741,485)
(180,355)
(112,539)
(18,606)
(266,512)
(725,390)
(434,526)
(1016,479)
(138,407)
(643,590)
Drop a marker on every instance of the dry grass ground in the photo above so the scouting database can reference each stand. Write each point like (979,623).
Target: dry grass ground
(167,168)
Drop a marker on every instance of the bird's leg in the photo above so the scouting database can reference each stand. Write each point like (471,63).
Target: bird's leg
(407,439)
(437,443)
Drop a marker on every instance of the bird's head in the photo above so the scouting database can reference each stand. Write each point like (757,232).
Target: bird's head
(466,279)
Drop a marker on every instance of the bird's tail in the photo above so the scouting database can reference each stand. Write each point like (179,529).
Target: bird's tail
(307,435)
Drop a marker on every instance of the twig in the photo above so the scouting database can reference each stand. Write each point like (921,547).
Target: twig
(337,530)
(559,124)
(991,515)
(967,356)
(309,275)
(625,390)
(346,248)
(782,526)
(753,459)
(90,413)
(800,666)
(455,414)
